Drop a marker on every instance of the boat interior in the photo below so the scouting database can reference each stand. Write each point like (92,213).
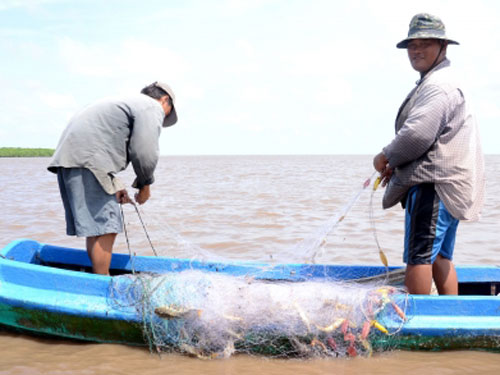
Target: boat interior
(472,280)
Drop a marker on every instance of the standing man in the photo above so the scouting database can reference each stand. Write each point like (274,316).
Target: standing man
(100,141)
(434,165)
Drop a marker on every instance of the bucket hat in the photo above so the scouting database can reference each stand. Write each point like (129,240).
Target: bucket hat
(425,26)
(171,119)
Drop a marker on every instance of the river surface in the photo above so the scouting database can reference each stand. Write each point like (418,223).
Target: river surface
(244,208)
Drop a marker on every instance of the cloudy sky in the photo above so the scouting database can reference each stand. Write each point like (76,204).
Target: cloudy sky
(251,77)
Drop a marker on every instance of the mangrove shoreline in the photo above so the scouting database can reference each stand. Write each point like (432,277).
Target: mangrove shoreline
(20,152)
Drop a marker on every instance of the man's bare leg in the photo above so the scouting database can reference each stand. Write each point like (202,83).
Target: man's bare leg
(445,276)
(418,278)
(99,249)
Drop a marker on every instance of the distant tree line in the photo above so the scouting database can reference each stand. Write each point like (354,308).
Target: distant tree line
(10,152)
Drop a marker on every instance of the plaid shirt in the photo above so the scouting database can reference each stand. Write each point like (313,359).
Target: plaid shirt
(437,141)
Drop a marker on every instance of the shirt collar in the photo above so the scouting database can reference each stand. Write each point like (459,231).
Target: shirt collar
(443,64)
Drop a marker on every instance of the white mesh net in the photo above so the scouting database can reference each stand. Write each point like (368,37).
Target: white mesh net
(211,315)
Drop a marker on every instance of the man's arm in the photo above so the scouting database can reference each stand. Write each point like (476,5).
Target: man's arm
(144,146)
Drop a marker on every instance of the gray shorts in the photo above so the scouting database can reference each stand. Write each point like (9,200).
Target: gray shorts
(90,211)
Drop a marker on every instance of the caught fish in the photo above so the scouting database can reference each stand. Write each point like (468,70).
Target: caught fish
(174,311)
(332,327)
(191,350)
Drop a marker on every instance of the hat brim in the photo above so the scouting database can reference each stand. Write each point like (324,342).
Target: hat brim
(404,43)
(171,119)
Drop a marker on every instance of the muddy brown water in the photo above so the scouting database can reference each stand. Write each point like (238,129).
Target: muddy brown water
(245,208)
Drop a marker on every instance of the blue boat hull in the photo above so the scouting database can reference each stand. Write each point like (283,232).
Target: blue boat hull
(43,289)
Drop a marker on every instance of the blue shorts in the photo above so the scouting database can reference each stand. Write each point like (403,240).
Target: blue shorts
(429,228)
(90,211)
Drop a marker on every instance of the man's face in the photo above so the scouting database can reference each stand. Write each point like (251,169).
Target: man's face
(422,53)
(165,103)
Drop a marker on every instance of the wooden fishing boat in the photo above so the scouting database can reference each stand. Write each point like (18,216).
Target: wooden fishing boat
(49,290)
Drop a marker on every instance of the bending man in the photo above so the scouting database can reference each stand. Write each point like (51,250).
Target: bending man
(100,141)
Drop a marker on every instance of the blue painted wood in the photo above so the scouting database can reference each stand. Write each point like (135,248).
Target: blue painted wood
(52,300)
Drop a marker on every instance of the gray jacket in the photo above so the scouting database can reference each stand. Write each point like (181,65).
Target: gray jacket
(105,136)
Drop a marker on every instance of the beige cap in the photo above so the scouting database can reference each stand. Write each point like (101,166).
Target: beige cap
(171,119)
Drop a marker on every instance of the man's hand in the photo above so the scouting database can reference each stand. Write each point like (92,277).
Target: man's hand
(386,175)
(142,195)
(381,164)
(122,197)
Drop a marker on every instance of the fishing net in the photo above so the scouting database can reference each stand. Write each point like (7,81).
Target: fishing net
(213,315)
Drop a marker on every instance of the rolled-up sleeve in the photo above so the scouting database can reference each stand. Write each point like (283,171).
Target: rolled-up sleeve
(424,124)
(143,146)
